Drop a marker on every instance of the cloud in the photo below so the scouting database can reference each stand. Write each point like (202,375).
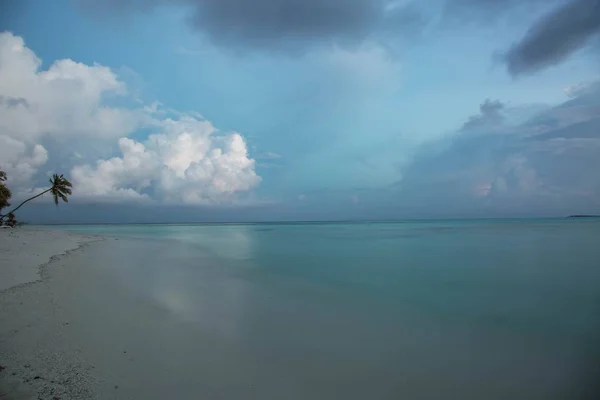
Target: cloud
(187,163)
(555,36)
(490,115)
(564,26)
(502,168)
(20,160)
(284,25)
(583,89)
(67,99)
(59,116)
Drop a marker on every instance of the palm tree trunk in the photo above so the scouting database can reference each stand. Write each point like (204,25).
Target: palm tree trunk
(26,201)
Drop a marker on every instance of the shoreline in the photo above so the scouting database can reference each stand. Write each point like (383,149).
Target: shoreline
(79,331)
(27,256)
(80,328)
(25,253)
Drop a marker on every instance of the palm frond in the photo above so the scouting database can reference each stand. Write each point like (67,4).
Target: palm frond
(60,188)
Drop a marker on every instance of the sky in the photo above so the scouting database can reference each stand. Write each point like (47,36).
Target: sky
(267,110)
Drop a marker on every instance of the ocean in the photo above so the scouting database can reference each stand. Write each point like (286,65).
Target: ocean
(482,309)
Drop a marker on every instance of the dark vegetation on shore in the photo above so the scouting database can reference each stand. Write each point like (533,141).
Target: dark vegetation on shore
(60,188)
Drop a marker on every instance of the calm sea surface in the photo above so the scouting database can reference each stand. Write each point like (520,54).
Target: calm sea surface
(409,310)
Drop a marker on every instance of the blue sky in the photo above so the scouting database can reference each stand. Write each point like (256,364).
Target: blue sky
(288,109)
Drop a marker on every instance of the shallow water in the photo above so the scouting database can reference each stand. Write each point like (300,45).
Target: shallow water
(416,310)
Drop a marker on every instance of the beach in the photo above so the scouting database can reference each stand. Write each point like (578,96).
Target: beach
(73,331)
(299,311)
(36,360)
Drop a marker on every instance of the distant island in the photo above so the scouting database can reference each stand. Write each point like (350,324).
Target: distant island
(583,216)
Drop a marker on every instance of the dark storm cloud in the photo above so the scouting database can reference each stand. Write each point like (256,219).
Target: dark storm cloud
(555,37)
(564,27)
(283,24)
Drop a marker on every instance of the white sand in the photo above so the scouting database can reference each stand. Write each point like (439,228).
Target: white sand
(23,251)
(33,364)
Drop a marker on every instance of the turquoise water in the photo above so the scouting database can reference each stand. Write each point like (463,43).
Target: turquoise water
(436,309)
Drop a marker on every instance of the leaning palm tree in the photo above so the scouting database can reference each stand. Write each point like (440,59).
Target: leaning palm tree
(60,188)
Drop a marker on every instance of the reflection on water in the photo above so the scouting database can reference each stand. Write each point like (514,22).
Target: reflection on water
(183,279)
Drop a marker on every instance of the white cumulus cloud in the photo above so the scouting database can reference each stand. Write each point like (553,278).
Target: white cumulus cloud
(67,99)
(20,160)
(70,106)
(189,162)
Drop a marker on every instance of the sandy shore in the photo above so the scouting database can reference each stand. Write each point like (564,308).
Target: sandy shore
(33,360)
(106,320)
(23,252)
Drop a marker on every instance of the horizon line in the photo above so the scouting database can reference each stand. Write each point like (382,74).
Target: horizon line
(342,221)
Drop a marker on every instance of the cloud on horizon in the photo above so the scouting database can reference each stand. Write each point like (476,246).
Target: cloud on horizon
(66,115)
(494,165)
(187,163)
(549,163)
